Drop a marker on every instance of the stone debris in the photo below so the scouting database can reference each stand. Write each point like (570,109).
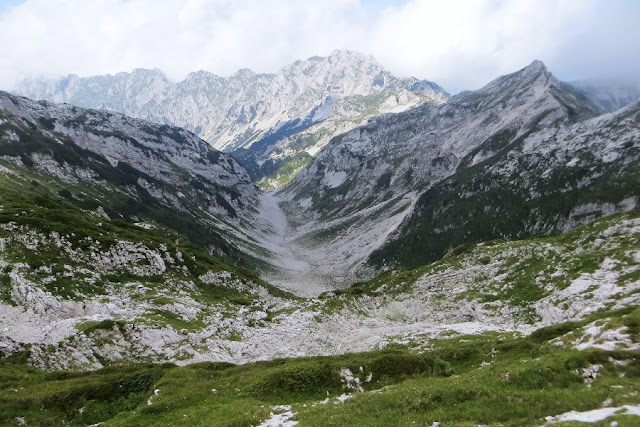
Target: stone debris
(590,373)
(350,382)
(280,419)
(343,398)
(155,393)
(242,334)
(595,415)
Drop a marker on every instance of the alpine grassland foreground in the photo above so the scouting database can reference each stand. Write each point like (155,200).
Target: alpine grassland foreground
(488,379)
(499,377)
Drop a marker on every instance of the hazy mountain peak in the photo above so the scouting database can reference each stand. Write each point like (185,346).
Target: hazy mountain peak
(610,94)
(526,75)
(353,55)
(244,73)
(148,71)
(535,66)
(339,64)
(533,82)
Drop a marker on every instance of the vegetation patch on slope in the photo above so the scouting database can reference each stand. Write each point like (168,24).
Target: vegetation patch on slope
(467,380)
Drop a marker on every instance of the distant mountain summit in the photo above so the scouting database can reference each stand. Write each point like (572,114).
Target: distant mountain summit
(274,122)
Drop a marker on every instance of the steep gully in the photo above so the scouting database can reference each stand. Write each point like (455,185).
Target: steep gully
(306,266)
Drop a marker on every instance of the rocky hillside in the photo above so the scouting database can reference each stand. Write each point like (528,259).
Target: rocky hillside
(546,181)
(274,122)
(127,168)
(67,274)
(80,291)
(566,374)
(361,187)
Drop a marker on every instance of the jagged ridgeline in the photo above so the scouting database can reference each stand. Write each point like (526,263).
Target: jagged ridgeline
(273,123)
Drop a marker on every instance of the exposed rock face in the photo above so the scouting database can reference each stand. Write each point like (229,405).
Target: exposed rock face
(279,121)
(130,167)
(414,149)
(159,151)
(361,187)
(549,180)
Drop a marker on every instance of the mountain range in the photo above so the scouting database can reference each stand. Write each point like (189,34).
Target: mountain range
(525,155)
(274,123)
(424,240)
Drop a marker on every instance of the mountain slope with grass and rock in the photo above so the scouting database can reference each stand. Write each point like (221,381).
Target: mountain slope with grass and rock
(418,342)
(129,169)
(388,192)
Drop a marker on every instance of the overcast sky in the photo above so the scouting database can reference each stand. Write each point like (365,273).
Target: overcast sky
(459,44)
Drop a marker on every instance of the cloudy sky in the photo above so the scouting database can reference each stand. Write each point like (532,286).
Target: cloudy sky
(460,44)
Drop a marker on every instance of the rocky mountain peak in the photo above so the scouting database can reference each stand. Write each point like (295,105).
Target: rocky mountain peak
(535,73)
(343,73)
(279,120)
(537,70)
(535,66)
(345,55)
(533,85)
(244,73)
(148,72)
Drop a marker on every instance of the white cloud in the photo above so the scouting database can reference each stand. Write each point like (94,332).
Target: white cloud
(463,44)
(459,43)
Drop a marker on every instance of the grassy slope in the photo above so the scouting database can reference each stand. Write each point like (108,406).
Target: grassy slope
(463,381)
(516,274)
(116,188)
(493,378)
(35,207)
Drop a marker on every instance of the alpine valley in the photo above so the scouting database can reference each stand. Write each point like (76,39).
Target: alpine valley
(365,250)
